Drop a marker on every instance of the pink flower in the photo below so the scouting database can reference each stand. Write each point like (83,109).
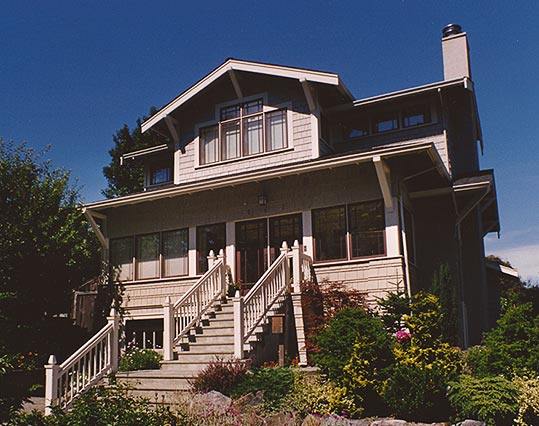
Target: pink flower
(403,335)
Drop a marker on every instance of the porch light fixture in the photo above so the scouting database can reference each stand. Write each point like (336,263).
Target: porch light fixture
(262,200)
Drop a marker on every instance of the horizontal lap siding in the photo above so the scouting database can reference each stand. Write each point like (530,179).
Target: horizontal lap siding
(148,299)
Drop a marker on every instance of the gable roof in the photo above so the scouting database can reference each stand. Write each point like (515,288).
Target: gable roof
(231,64)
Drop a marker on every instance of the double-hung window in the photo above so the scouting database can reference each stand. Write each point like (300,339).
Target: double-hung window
(348,232)
(244,129)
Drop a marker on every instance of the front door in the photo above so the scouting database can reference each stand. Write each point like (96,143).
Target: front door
(258,244)
(251,251)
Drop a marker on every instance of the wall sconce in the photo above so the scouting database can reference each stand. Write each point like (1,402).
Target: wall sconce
(262,200)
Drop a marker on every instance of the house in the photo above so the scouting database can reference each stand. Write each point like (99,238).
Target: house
(287,176)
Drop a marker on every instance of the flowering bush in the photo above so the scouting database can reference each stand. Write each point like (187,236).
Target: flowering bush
(140,359)
(403,335)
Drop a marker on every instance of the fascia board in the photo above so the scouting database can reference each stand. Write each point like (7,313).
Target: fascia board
(143,152)
(265,174)
(254,67)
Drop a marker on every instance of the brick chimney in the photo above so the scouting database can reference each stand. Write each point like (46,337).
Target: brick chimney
(456,53)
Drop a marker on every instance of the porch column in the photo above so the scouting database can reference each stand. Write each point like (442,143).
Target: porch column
(192,255)
(230,252)
(168,330)
(392,229)
(307,232)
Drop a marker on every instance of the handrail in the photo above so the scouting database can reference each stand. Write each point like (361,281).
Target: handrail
(189,309)
(262,297)
(89,364)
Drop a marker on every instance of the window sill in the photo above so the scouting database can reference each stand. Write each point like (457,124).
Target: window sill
(246,158)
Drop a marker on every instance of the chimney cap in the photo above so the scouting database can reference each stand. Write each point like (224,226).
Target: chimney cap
(451,29)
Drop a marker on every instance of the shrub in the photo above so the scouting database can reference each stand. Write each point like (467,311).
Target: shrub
(103,407)
(416,386)
(513,345)
(220,375)
(489,399)
(367,369)
(528,400)
(335,342)
(394,307)
(276,382)
(140,359)
(315,395)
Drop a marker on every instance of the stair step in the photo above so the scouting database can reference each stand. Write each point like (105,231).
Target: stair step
(206,340)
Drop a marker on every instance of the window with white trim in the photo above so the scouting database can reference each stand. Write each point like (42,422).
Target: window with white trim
(349,232)
(244,129)
(150,256)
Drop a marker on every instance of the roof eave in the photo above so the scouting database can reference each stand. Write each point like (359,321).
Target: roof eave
(255,67)
(265,174)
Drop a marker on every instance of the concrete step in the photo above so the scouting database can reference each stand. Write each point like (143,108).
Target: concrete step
(157,382)
(219,322)
(218,348)
(214,339)
(215,330)
(160,396)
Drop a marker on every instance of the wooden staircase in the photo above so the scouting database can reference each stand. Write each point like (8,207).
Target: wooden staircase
(202,326)
(214,339)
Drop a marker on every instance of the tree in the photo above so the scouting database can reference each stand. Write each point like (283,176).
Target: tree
(128,178)
(46,246)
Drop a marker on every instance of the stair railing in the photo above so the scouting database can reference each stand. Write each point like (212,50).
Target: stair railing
(83,369)
(252,309)
(187,312)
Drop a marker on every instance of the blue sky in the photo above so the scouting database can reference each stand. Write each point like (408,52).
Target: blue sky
(73,72)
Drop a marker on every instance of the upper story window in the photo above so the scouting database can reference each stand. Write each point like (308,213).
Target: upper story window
(416,116)
(160,172)
(244,129)
(369,124)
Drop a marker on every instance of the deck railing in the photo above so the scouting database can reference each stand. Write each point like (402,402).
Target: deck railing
(187,312)
(83,369)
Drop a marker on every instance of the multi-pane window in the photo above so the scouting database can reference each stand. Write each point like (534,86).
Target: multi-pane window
(161,172)
(175,253)
(147,256)
(415,116)
(209,237)
(366,228)
(347,232)
(150,256)
(243,130)
(121,258)
(410,116)
(386,122)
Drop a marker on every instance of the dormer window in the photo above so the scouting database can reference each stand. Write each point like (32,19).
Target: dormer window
(244,129)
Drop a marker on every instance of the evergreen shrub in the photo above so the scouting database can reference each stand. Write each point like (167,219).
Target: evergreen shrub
(140,359)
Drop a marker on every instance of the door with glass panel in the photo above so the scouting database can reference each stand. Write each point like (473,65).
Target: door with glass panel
(258,244)
(251,251)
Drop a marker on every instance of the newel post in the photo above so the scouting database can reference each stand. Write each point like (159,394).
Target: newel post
(296,267)
(211,259)
(238,325)
(51,383)
(168,330)
(222,273)
(114,319)
(284,249)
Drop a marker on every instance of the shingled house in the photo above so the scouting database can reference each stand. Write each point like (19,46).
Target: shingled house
(268,175)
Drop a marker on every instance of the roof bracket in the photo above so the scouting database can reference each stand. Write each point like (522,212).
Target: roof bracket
(91,216)
(308,95)
(235,83)
(384,177)
(171,124)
